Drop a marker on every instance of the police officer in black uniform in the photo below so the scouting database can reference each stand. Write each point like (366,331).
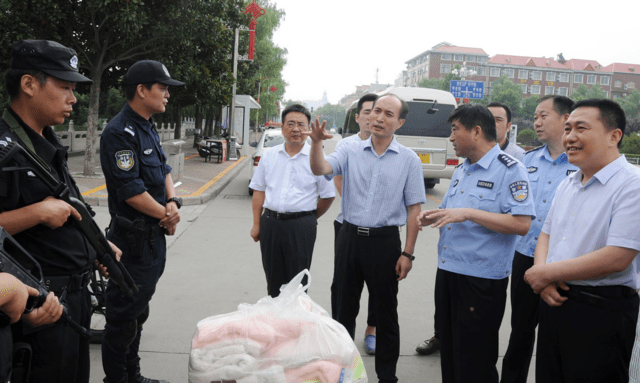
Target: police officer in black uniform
(143,207)
(40,84)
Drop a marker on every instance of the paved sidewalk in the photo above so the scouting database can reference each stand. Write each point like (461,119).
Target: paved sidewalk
(201,181)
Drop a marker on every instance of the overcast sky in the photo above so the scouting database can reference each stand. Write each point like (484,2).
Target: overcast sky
(336,45)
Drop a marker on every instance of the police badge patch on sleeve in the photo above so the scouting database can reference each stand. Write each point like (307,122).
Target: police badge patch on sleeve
(519,190)
(124,160)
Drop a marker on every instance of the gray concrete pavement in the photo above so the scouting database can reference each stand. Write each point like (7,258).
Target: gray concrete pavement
(213,265)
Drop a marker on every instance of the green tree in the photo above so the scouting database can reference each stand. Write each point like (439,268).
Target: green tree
(580,93)
(527,137)
(596,92)
(334,114)
(111,35)
(507,92)
(631,104)
(434,83)
(528,107)
(630,144)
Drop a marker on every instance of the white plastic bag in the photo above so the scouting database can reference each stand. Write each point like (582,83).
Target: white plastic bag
(287,339)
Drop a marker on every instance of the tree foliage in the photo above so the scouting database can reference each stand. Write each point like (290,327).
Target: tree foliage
(596,91)
(434,83)
(630,144)
(527,137)
(507,92)
(580,93)
(334,114)
(528,107)
(631,104)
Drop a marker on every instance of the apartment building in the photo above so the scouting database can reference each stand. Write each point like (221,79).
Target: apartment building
(626,78)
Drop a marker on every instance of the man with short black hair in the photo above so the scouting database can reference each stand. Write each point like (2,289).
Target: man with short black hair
(547,166)
(502,114)
(363,111)
(383,189)
(486,207)
(143,207)
(586,267)
(41,85)
(287,202)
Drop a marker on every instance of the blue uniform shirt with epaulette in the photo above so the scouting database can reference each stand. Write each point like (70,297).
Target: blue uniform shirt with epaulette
(133,162)
(497,183)
(545,174)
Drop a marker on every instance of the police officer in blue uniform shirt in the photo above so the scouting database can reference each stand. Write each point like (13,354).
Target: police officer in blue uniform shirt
(547,166)
(586,266)
(143,207)
(487,206)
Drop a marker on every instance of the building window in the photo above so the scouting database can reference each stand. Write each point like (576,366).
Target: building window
(458,57)
(563,91)
(523,73)
(591,78)
(631,84)
(535,89)
(563,77)
(482,71)
(510,73)
(446,56)
(495,72)
(618,84)
(482,60)
(536,75)
(524,88)
(551,76)
(604,80)
(577,78)
(548,90)
(445,68)
(471,59)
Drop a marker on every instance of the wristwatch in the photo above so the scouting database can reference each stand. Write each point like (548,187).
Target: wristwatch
(411,257)
(177,200)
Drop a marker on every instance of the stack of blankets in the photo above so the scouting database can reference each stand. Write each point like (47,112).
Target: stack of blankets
(278,340)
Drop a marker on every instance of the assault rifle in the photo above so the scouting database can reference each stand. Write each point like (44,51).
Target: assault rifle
(117,272)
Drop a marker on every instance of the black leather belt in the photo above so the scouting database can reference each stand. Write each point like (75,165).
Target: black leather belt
(607,297)
(146,231)
(383,231)
(71,282)
(274,214)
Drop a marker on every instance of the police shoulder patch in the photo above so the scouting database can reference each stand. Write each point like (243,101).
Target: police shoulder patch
(532,169)
(507,160)
(519,190)
(125,160)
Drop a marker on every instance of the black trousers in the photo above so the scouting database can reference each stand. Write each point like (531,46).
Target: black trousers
(578,342)
(524,320)
(469,312)
(371,315)
(287,247)
(361,259)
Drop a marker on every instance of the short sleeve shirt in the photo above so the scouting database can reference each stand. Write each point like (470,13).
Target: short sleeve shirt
(497,183)
(133,162)
(288,182)
(603,212)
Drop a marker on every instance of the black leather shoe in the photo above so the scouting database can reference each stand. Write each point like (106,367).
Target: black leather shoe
(136,377)
(429,346)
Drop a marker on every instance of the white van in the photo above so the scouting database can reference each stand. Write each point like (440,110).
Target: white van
(425,131)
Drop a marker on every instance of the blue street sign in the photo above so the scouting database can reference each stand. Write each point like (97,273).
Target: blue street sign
(467,89)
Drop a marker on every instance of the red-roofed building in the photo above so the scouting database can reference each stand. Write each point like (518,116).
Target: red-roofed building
(537,75)
(441,59)
(588,72)
(626,78)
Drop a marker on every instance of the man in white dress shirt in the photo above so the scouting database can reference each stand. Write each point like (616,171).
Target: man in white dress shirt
(293,199)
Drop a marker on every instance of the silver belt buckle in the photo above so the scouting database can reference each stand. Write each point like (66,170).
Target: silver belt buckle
(278,215)
(364,231)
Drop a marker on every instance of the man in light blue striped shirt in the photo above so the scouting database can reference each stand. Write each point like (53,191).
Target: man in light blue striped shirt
(383,189)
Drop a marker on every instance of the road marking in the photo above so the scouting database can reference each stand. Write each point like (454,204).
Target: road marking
(434,198)
(94,190)
(191,156)
(210,183)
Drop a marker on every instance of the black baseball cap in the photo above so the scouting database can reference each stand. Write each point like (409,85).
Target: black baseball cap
(49,57)
(149,71)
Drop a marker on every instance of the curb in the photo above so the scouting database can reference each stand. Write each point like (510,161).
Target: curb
(207,195)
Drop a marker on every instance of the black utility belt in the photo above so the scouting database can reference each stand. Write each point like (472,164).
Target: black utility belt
(70,282)
(383,231)
(137,227)
(274,214)
(607,297)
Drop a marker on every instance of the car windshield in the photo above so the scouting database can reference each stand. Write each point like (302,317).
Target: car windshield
(273,140)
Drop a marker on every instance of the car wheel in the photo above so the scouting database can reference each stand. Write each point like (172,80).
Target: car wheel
(429,185)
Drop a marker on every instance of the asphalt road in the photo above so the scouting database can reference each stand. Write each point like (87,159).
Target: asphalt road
(213,265)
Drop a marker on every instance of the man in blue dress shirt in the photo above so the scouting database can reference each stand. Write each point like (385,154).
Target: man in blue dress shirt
(383,188)
(547,166)
(586,267)
(487,206)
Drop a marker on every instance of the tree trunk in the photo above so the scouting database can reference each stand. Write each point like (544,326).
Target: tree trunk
(92,126)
